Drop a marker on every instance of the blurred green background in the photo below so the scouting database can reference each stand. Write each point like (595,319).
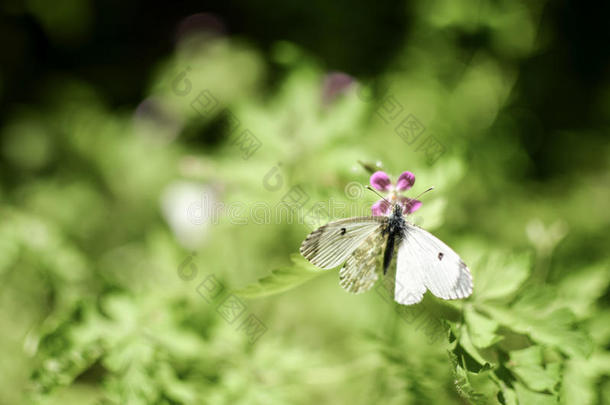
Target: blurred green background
(140,145)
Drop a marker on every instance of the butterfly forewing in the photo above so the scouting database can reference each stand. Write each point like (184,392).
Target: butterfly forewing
(360,270)
(331,244)
(424,261)
(409,287)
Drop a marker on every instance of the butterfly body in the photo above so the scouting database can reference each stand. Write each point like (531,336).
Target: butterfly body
(423,261)
(396,230)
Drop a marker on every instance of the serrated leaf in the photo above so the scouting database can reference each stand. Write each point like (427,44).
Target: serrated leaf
(510,396)
(555,328)
(480,328)
(598,326)
(529,355)
(478,388)
(582,376)
(469,347)
(526,396)
(499,275)
(579,290)
(282,279)
(528,366)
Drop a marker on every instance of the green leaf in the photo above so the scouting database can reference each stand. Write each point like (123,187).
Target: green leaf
(510,396)
(499,275)
(581,289)
(468,346)
(556,328)
(581,377)
(525,396)
(478,388)
(527,364)
(464,346)
(480,328)
(282,279)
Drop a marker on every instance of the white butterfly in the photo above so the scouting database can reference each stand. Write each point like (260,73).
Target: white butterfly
(423,261)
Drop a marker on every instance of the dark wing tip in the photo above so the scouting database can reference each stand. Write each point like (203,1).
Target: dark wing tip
(465,276)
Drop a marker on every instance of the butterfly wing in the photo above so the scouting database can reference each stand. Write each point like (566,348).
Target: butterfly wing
(424,261)
(359,273)
(331,244)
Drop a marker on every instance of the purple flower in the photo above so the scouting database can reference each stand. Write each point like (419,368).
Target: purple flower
(335,83)
(381,181)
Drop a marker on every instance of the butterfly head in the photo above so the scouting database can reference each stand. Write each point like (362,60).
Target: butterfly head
(397,209)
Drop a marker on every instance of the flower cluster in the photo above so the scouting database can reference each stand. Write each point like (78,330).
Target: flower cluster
(381,181)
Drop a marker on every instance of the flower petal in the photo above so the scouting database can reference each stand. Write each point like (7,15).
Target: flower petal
(405,181)
(410,205)
(381,181)
(334,84)
(380,208)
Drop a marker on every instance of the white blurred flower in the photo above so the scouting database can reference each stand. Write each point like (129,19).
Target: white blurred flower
(545,239)
(189,209)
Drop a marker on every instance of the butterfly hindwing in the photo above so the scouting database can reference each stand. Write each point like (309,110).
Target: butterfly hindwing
(425,262)
(359,273)
(331,244)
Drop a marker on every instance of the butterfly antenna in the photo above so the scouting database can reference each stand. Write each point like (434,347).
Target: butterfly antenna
(424,192)
(375,191)
(370,167)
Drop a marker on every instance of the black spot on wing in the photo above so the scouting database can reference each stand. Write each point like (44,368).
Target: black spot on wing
(343,230)
(440,255)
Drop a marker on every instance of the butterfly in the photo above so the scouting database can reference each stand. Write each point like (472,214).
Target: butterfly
(423,262)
